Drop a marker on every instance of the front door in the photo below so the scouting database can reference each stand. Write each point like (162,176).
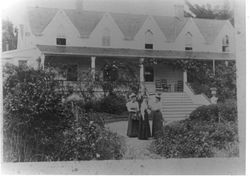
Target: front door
(149,76)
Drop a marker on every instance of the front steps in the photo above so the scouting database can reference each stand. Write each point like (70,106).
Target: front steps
(176,106)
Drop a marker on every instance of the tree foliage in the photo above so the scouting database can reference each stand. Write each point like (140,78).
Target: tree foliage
(9,36)
(118,75)
(208,12)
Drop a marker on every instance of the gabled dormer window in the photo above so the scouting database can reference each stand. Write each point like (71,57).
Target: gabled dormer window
(61,38)
(61,41)
(149,40)
(188,42)
(225,44)
(106,37)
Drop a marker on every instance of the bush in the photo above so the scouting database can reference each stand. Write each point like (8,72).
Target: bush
(188,139)
(205,113)
(210,131)
(33,113)
(87,141)
(228,110)
(38,126)
(179,141)
(113,104)
(216,112)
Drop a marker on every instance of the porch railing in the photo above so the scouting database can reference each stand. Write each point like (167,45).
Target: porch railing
(64,85)
(167,85)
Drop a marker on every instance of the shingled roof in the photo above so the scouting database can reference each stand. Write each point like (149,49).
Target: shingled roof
(170,26)
(39,18)
(209,28)
(84,21)
(129,24)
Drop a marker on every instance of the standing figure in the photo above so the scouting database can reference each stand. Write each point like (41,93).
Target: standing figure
(144,128)
(133,118)
(157,117)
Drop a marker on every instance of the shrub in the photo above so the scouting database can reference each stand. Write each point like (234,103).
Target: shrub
(188,139)
(228,110)
(113,104)
(216,112)
(179,141)
(86,140)
(38,126)
(33,113)
(205,113)
(209,130)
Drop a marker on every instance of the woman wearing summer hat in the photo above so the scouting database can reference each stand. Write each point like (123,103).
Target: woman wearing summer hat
(133,118)
(157,116)
(144,128)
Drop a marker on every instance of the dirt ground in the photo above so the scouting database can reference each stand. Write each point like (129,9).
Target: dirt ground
(136,149)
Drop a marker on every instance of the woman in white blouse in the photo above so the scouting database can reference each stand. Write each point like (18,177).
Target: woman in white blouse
(144,128)
(157,117)
(133,118)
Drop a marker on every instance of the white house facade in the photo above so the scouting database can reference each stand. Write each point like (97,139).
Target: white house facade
(85,40)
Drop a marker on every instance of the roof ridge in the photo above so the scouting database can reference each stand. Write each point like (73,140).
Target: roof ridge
(94,11)
(207,19)
(38,7)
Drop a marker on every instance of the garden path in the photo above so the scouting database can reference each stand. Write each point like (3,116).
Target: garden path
(136,149)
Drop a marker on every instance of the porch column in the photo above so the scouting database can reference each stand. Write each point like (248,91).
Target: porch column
(226,63)
(214,66)
(41,63)
(93,66)
(141,70)
(184,76)
(141,60)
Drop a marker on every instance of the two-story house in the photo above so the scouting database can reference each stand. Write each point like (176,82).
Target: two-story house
(81,40)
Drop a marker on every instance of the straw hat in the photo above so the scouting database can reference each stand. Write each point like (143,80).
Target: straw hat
(132,95)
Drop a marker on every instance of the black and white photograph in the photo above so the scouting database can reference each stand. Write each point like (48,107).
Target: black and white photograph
(123,87)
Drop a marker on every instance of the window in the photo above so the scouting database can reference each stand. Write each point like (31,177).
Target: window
(149,74)
(106,37)
(60,41)
(225,44)
(188,42)
(149,40)
(72,72)
(22,63)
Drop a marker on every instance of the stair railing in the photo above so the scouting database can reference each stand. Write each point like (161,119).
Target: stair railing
(200,99)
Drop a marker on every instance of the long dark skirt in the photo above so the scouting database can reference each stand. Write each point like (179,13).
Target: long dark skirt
(157,126)
(144,128)
(133,127)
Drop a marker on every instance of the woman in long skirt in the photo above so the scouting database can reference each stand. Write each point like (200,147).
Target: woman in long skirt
(133,118)
(157,117)
(144,128)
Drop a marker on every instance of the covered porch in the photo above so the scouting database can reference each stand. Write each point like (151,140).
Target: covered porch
(150,65)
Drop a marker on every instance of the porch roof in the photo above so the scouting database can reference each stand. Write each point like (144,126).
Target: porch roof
(132,53)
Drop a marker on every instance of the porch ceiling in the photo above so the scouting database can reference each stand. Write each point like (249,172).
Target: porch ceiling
(116,52)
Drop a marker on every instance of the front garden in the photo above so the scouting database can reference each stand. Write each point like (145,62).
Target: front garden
(42,124)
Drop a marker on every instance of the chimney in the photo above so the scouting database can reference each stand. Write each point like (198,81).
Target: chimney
(179,11)
(79,5)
